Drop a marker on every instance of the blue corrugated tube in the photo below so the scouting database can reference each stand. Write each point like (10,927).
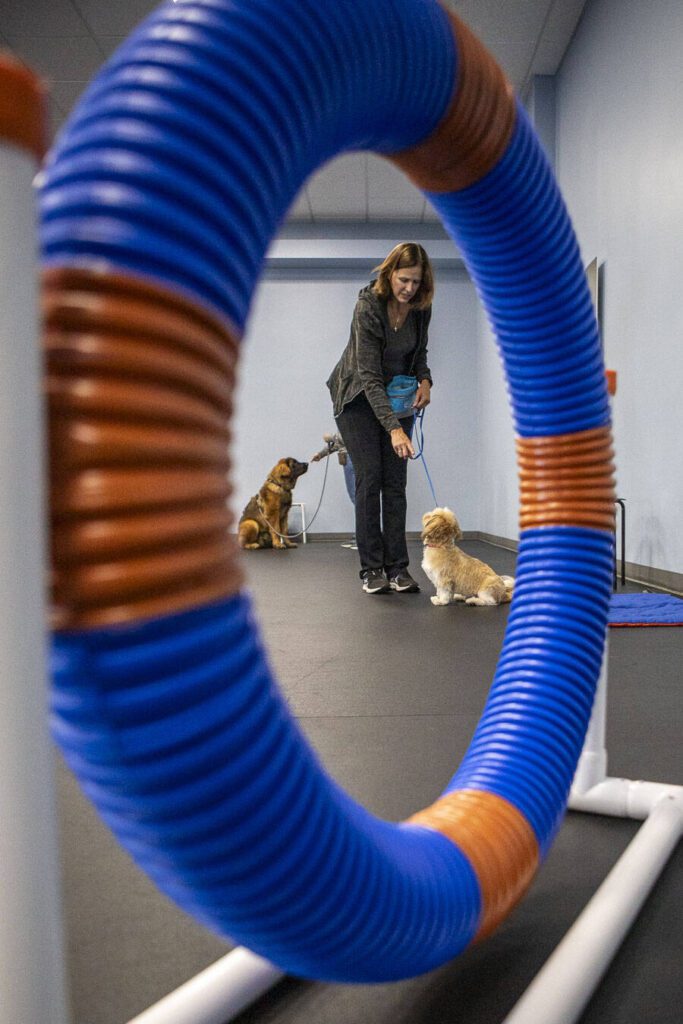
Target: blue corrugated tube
(178,166)
(186,151)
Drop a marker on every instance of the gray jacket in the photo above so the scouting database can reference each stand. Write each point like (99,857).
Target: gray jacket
(361,365)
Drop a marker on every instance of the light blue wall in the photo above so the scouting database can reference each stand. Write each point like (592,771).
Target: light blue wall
(619,160)
(298,328)
(541,109)
(618,148)
(620,163)
(497,478)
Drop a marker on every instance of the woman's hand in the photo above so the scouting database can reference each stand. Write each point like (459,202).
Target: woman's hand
(423,395)
(401,444)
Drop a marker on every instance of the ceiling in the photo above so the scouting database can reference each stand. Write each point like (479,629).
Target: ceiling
(66,41)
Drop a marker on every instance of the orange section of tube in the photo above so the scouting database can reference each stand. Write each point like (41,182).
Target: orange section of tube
(22,107)
(476,129)
(567,480)
(498,842)
(139,388)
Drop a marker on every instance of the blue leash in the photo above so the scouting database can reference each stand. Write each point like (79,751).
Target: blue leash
(418,416)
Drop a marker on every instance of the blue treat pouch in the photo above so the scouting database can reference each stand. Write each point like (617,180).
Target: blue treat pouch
(401,391)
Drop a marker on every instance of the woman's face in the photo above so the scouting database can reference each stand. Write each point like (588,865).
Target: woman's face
(405,282)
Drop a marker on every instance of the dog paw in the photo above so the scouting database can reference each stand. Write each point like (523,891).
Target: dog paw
(438,600)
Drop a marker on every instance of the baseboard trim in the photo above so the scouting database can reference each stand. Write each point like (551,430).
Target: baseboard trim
(643,575)
(660,579)
(328,538)
(467,535)
(499,542)
(344,538)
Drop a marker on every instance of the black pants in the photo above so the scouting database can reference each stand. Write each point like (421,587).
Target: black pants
(380,487)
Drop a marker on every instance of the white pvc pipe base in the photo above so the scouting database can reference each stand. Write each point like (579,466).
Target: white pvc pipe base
(566,982)
(216,995)
(564,985)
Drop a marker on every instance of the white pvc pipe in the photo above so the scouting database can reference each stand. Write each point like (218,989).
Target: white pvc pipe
(592,766)
(592,790)
(32,987)
(564,985)
(623,798)
(217,994)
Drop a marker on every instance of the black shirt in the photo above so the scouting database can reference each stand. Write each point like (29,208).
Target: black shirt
(399,354)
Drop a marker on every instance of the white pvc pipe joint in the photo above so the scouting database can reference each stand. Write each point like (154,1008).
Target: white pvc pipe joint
(592,789)
(624,798)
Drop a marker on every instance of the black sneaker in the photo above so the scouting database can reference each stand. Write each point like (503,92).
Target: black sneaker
(375,582)
(403,582)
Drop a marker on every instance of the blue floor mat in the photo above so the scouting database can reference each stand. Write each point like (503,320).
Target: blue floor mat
(645,610)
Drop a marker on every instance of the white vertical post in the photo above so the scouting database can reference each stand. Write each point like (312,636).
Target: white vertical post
(592,766)
(32,988)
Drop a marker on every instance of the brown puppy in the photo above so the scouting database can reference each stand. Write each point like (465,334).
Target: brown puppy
(263,524)
(457,576)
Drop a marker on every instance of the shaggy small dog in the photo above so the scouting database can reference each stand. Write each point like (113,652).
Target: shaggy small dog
(263,524)
(457,576)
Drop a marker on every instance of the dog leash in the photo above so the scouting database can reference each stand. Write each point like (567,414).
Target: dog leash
(289,536)
(418,416)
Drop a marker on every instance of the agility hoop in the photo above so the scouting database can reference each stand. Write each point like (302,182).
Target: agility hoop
(158,204)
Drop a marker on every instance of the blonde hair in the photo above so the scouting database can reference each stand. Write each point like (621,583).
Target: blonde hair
(406,254)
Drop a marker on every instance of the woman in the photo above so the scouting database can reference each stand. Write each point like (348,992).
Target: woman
(388,337)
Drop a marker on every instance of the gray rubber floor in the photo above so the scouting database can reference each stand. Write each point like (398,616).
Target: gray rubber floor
(389,690)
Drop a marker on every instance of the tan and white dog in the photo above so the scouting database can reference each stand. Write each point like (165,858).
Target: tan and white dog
(457,576)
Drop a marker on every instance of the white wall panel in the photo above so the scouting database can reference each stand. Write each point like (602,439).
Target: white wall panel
(620,156)
(497,479)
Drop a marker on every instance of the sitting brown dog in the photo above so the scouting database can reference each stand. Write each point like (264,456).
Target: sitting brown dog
(263,524)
